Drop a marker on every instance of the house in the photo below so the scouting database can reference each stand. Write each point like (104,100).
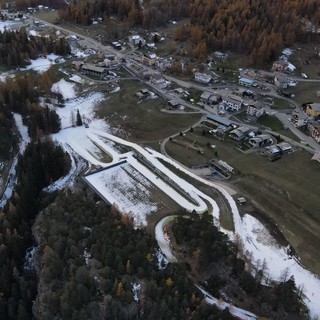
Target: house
(255,109)
(76,65)
(246,82)
(221,55)
(285,147)
(239,133)
(313,109)
(157,79)
(314,130)
(135,40)
(89,68)
(116,45)
(299,119)
(279,65)
(281,82)
(232,102)
(204,98)
(261,140)
(149,58)
(202,77)
(174,104)
(273,150)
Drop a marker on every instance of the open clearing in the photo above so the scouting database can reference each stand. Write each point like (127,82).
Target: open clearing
(286,194)
(306,92)
(142,119)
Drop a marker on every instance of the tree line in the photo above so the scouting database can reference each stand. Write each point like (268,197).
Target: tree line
(89,258)
(17,47)
(42,163)
(259,29)
(224,273)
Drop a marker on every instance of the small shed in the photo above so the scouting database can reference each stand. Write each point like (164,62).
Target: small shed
(241,201)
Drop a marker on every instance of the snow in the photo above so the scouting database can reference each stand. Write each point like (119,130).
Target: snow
(136,287)
(123,186)
(78,53)
(33,33)
(65,88)
(77,79)
(24,140)
(162,242)
(263,246)
(116,89)
(42,64)
(86,105)
(291,67)
(29,259)
(162,261)
(6,25)
(287,52)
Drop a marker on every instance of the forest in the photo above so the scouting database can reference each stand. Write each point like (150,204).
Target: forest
(88,259)
(41,164)
(17,47)
(258,29)
(21,93)
(223,272)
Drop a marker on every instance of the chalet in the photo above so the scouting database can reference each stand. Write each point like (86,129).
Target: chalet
(261,140)
(174,104)
(314,130)
(281,82)
(255,109)
(239,133)
(313,109)
(149,58)
(204,98)
(285,147)
(273,150)
(221,55)
(280,65)
(246,82)
(89,68)
(76,65)
(157,79)
(232,102)
(116,45)
(202,77)
(135,40)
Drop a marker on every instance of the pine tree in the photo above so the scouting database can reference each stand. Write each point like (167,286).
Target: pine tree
(79,119)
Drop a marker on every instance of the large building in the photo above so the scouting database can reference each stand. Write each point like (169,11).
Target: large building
(255,109)
(202,77)
(314,130)
(246,82)
(89,68)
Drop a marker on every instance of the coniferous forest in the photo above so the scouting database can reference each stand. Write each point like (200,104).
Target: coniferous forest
(89,260)
(259,29)
(41,164)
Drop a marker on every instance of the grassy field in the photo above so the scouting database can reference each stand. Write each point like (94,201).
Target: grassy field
(280,104)
(142,119)
(270,122)
(279,189)
(306,92)
(49,16)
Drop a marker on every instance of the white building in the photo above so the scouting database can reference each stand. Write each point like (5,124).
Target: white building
(255,109)
(232,102)
(202,77)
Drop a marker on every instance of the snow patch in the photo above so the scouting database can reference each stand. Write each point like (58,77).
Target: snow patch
(65,88)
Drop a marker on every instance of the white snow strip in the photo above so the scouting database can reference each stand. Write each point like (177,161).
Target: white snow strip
(42,64)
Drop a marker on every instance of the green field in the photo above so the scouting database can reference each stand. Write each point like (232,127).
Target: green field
(306,92)
(270,122)
(279,189)
(142,119)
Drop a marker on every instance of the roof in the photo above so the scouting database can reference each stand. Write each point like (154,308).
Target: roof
(246,80)
(284,146)
(205,95)
(92,67)
(316,157)
(217,119)
(315,106)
